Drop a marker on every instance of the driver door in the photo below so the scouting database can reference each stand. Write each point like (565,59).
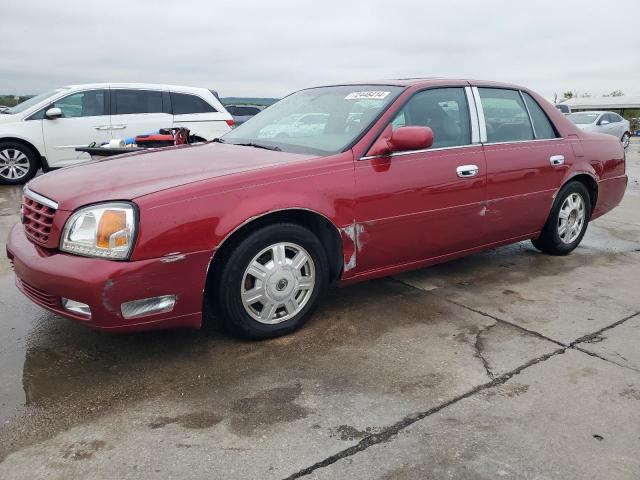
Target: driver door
(85,119)
(420,205)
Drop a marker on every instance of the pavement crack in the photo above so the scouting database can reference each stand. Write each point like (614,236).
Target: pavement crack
(484,314)
(595,335)
(593,354)
(386,434)
(479,347)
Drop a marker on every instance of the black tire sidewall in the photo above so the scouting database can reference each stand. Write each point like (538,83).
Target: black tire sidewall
(234,316)
(550,240)
(33,162)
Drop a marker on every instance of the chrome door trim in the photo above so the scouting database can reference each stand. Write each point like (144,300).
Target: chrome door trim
(39,198)
(524,102)
(525,141)
(480,111)
(424,150)
(473,115)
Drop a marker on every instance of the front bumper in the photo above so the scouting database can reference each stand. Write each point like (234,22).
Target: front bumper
(46,276)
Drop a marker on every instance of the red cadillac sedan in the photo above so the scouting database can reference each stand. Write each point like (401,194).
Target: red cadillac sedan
(339,183)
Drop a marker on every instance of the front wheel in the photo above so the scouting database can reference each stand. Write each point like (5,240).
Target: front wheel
(626,139)
(272,281)
(567,222)
(18,164)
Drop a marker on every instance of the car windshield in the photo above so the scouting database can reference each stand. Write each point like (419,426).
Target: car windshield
(320,121)
(21,107)
(583,118)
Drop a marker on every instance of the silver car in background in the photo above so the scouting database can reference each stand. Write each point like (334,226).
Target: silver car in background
(603,122)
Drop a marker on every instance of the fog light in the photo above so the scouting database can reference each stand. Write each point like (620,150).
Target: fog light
(76,307)
(148,306)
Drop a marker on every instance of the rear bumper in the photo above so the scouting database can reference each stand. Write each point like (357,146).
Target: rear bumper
(610,194)
(45,277)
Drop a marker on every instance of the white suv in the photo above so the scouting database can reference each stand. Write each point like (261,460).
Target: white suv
(45,130)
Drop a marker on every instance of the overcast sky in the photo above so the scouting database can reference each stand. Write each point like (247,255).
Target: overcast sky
(272,47)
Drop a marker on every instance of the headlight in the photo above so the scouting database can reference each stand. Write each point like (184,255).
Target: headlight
(106,230)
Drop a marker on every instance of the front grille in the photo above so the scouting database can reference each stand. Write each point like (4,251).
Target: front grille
(40,296)
(37,219)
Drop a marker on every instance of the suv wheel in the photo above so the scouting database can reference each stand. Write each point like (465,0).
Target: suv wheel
(18,164)
(626,139)
(567,222)
(271,283)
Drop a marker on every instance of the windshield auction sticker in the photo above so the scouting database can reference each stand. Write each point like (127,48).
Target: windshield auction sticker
(370,95)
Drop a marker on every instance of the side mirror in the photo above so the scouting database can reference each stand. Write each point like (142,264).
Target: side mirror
(53,113)
(604,122)
(401,140)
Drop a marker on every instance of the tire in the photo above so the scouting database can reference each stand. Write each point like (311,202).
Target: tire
(626,139)
(286,297)
(571,210)
(18,163)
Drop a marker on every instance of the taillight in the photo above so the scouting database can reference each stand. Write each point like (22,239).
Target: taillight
(230,122)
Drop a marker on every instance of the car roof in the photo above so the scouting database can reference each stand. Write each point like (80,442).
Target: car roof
(152,86)
(594,112)
(429,81)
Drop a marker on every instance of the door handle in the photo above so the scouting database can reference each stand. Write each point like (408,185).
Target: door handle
(118,127)
(103,127)
(467,171)
(556,160)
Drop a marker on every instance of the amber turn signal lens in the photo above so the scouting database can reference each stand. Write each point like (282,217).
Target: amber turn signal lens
(112,221)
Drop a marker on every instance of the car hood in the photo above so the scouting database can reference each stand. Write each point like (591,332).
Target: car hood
(8,118)
(129,176)
(585,126)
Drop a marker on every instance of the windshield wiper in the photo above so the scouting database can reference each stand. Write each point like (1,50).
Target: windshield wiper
(258,145)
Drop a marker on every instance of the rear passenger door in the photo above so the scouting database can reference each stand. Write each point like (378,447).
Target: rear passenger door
(138,111)
(526,162)
(198,115)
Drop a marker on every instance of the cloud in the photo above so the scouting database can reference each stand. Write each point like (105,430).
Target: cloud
(269,48)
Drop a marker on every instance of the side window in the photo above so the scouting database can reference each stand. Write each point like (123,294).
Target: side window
(541,123)
(444,110)
(615,118)
(184,103)
(136,101)
(505,115)
(605,118)
(82,104)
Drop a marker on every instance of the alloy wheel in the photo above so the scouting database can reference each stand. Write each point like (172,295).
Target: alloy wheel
(571,218)
(626,140)
(278,283)
(14,164)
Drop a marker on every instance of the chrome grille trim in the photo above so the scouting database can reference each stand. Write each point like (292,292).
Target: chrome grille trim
(39,198)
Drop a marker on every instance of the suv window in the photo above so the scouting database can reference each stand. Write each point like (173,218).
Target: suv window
(541,123)
(81,104)
(505,115)
(444,110)
(184,103)
(247,111)
(136,101)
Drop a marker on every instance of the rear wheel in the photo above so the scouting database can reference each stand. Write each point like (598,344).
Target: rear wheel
(567,222)
(18,164)
(271,282)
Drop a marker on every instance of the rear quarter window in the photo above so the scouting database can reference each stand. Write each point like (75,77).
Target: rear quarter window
(184,103)
(541,123)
